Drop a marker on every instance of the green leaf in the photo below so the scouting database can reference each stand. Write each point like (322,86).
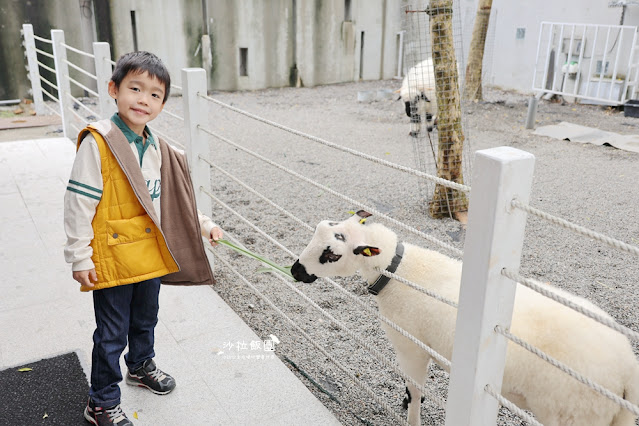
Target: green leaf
(272,266)
(22,370)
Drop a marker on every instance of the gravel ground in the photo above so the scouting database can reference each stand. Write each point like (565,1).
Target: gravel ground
(594,186)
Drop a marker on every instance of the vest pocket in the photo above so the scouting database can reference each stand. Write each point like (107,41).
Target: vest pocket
(124,231)
(134,249)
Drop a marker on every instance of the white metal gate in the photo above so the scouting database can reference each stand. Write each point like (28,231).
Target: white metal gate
(593,63)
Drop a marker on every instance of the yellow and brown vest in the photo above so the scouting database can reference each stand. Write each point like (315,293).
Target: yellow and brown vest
(128,246)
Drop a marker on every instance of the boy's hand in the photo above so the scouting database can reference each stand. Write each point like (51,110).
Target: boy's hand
(216,234)
(86,278)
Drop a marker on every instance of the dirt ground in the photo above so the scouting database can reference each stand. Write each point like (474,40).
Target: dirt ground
(594,186)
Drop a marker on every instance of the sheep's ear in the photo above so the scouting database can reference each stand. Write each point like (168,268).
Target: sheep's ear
(363,215)
(367,251)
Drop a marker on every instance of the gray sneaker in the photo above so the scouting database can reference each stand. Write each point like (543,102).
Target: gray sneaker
(150,377)
(100,416)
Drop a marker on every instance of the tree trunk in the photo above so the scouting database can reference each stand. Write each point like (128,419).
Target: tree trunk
(472,90)
(446,201)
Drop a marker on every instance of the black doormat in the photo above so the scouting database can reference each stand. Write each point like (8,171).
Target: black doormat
(53,392)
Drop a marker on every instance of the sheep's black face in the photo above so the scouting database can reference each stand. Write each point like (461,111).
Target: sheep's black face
(336,250)
(299,273)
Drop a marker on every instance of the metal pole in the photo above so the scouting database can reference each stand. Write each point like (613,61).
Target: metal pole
(493,242)
(532,110)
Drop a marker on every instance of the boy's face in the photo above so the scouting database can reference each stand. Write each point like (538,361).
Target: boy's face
(139,99)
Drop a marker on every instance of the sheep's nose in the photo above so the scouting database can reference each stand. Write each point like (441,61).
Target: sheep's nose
(299,273)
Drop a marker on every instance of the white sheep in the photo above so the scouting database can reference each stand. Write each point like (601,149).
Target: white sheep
(419,96)
(605,356)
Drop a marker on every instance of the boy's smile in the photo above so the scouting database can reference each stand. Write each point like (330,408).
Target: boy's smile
(139,98)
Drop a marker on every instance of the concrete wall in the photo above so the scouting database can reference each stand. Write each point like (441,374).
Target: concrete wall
(307,38)
(170,29)
(263,28)
(44,15)
(288,42)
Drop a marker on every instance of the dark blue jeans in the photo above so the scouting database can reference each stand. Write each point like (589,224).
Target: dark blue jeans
(121,313)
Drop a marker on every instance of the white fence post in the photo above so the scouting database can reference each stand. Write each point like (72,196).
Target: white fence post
(195,108)
(62,77)
(103,72)
(493,241)
(34,69)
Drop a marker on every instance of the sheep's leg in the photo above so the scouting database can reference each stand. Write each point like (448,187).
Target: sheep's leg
(415,365)
(415,118)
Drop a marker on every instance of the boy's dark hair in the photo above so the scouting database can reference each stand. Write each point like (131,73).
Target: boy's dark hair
(138,63)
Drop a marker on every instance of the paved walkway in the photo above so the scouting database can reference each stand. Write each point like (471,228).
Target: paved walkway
(43,314)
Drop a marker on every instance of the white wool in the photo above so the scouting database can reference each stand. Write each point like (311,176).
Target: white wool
(603,355)
(418,93)
(419,79)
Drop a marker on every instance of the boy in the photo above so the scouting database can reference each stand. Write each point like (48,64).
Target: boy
(123,182)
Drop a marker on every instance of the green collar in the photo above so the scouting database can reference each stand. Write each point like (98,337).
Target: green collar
(132,137)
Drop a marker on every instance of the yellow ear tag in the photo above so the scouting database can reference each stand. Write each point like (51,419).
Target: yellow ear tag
(367,251)
(361,221)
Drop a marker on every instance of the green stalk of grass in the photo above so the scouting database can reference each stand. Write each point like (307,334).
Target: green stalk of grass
(272,266)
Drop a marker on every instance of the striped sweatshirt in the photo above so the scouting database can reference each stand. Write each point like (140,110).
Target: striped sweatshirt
(85,189)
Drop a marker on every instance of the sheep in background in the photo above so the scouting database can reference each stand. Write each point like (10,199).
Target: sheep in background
(419,96)
(605,356)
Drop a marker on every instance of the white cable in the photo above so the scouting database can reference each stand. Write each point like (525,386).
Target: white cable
(417,287)
(512,407)
(337,194)
(45,40)
(164,111)
(81,52)
(77,68)
(42,52)
(46,67)
(168,138)
(338,364)
(542,289)
(77,101)
(353,335)
(572,373)
(49,95)
(77,83)
(253,191)
(438,180)
(620,245)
